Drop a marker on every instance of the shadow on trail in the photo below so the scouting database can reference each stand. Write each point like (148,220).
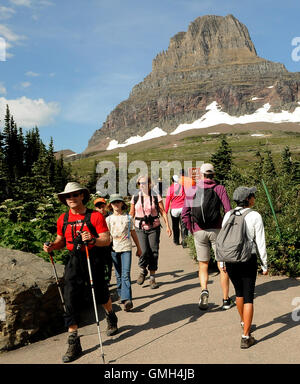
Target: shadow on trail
(188,312)
(287,322)
(275,286)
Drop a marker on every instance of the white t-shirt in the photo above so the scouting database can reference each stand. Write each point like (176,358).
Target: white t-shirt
(118,226)
(255,231)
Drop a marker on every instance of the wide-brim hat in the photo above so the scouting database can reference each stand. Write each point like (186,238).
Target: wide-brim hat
(74,187)
(116,197)
(241,193)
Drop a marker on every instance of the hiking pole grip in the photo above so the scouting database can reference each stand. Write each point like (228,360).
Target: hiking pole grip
(51,254)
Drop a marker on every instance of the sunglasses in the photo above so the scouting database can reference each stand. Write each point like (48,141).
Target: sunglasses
(100,205)
(70,195)
(143,183)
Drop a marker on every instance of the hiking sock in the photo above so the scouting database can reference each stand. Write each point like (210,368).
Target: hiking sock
(245,337)
(152,277)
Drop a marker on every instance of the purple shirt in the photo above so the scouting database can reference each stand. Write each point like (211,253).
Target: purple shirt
(190,193)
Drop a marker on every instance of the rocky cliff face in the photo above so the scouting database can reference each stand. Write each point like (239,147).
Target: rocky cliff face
(215,60)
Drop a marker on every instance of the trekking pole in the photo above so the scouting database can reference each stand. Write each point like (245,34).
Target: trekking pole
(51,254)
(94,298)
(271,205)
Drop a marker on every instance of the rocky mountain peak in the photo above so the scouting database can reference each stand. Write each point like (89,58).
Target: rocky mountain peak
(210,40)
(215,60)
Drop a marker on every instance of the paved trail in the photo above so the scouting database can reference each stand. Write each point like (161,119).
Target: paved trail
(167,327)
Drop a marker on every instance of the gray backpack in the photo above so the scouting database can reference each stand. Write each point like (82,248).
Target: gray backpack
(233,244)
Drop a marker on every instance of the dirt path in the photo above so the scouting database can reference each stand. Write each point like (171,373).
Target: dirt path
(167,327)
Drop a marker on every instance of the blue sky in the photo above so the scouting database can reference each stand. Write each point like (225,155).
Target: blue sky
(69,63)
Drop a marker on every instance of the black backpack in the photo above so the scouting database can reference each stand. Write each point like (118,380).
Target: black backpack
(206,208)
(86,220)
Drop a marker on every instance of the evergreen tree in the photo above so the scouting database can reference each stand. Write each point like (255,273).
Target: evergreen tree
(31,149)
(286,164)
(269,170)
(91,185)
(296,173)
(51,162)
(222,161)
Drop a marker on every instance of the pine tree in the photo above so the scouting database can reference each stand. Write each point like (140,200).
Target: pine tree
(269,170)
(31,149)
(91,185)
(222,161)
(51,162)
(286,164)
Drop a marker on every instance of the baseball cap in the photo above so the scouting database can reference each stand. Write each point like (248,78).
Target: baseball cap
(241,193)
(100,200)
(207,168)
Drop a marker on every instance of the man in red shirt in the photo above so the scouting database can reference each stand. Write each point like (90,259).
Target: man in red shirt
(79,226)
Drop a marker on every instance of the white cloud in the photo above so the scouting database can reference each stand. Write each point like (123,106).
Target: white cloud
(25,84)
(32,74)
(2,89)
(6,13)
(25,3)
(9,35)
(29,113)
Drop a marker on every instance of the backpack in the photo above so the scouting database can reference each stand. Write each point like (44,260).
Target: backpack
(233,244)
(86,220)
(206,206)
(136,197)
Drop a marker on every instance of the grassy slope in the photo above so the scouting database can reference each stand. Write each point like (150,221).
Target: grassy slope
(198,147)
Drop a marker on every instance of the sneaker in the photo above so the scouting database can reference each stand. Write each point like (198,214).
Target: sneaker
(141,278)
(203,303)
(247,342)
(227,304)
(128,305)
(74,348)
(153,284)
(112,322)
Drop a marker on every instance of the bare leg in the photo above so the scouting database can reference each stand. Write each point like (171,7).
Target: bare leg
(240,306)
(224,279)
(108,306)
(248,316)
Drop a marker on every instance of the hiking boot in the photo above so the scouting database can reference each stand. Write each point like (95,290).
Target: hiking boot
(112,322)
(227,304)
(247,342)
(141,278)
(203,303)
(128,305)
(74,349)
(153,284)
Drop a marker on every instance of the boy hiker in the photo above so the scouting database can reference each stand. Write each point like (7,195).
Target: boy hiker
(202,217)
(74,228)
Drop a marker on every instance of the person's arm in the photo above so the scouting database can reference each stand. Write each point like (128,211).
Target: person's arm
(221,191)
(186,213)
(132,210)
(57,244)
(165,217)
(102,240)
(168,199)
(137,243)
(261,242)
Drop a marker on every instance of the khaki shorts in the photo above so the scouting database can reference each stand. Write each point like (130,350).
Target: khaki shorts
(203,240)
